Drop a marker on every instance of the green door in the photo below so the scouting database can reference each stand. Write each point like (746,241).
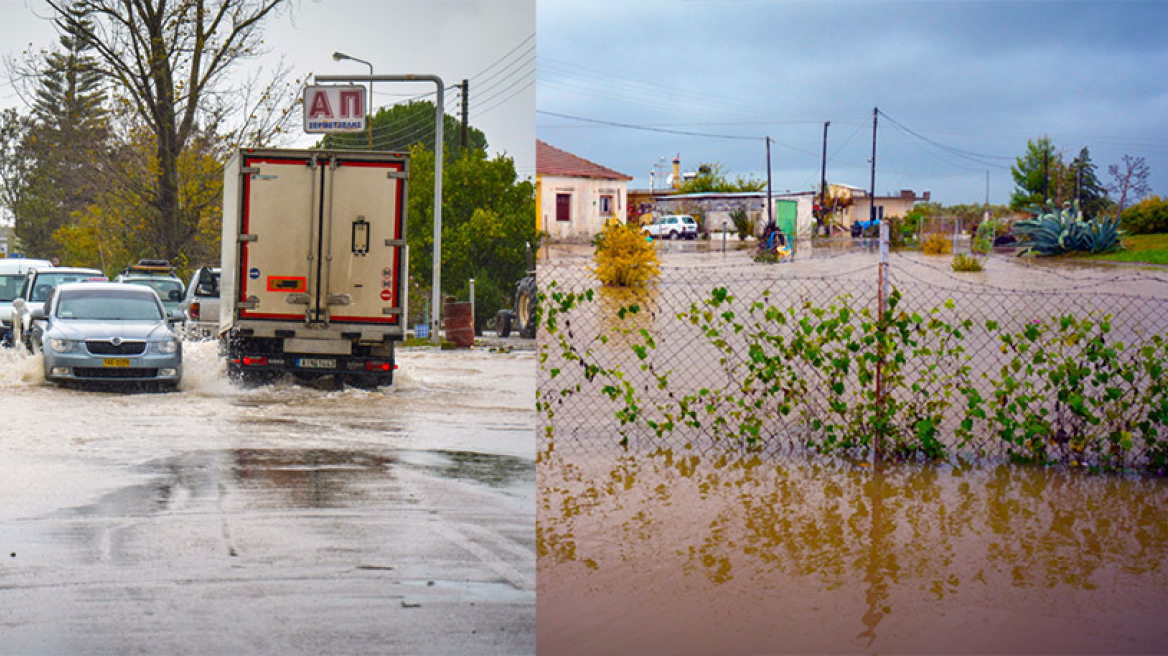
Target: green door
(785,213)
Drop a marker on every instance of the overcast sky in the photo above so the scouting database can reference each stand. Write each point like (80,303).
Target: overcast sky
(961,87)
(489,42)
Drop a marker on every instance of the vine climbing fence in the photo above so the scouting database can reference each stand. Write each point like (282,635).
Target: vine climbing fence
(1031,360)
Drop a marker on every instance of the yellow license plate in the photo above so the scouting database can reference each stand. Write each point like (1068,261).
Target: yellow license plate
(116,362)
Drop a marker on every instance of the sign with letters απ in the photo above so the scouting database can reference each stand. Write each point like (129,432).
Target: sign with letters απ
(334,109)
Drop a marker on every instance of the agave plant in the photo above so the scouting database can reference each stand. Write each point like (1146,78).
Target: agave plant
(1054,232)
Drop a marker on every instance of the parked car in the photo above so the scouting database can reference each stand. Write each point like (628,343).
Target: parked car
(200,307)
(159,276)
(12,273)
(108,332)
(673,226)
(33,292)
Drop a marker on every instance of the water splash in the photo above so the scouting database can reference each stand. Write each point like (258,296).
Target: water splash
(19,369)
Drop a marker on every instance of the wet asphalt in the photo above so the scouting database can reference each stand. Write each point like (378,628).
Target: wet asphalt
(275,520)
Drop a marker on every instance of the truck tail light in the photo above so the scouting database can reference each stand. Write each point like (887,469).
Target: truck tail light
(379,366)
(254,361)
(194,311)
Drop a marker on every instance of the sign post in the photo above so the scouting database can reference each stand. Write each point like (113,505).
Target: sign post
(436,292)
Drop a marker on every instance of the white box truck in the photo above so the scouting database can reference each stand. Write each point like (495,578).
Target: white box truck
(314,266)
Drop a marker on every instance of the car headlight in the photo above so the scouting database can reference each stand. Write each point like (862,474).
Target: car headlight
(62,345)
(168,346)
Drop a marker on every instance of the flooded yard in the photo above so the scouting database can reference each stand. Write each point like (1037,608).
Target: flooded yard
(686,542)
(680,554)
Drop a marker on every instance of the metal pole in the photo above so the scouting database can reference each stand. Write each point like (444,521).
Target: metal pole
(823,178)
(872,193)
(882,298)
(770,203)
(435,316)
(465,109)
(472,305)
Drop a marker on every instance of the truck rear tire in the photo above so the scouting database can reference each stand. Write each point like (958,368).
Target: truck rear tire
(526,295)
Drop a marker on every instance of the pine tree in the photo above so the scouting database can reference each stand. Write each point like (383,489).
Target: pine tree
(67,128)
(1036,175)
(1089,191)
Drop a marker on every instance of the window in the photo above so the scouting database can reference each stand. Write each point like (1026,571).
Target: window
(607,207)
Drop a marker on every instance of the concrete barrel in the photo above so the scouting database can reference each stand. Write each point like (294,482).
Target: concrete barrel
(459,323)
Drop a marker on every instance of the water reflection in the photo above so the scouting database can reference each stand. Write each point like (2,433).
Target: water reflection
(497,471)
(824,555)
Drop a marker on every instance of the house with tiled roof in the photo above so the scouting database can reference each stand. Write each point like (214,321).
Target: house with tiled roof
(574,197)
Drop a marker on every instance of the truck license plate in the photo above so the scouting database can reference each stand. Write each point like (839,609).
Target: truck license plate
(316,363)
(115,362)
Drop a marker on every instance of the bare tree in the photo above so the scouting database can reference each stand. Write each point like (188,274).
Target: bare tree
(167,61)
(1130,179)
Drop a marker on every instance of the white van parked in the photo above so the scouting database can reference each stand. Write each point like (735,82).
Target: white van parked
(12,272)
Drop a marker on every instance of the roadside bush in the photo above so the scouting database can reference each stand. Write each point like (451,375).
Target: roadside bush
(963,263)
(625,257)
(743,223)
(1148,216)
(983,239)
(936,244)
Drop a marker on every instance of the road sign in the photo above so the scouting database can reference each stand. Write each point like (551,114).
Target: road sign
(334,109)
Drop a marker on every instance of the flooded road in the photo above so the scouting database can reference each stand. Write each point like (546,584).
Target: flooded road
(279,519)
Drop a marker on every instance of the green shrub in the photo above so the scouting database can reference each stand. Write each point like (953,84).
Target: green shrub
(983,239)
(743,223)
(966,263)
(625,257)
(1148,216)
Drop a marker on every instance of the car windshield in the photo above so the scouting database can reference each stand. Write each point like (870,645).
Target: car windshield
(164,286)
(108,305)
(45,282)
(10,285)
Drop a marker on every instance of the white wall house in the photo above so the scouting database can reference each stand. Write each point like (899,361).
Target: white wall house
(575,197)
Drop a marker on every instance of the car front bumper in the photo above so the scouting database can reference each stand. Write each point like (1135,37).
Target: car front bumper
(149,366)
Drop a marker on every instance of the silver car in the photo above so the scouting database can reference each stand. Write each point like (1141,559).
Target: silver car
(201,305)
(109,332)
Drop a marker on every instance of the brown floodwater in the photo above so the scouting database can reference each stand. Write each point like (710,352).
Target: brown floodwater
(668,553)
(681,545)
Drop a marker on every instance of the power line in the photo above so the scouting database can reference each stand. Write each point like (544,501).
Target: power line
(479,112)
(646,127)
(977,158)
(496,62)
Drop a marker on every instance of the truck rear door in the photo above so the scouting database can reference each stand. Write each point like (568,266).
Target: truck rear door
(323,238)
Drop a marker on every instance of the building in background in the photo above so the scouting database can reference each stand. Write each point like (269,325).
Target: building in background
(575,197)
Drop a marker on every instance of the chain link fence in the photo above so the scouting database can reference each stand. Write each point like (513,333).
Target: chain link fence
(1052,362)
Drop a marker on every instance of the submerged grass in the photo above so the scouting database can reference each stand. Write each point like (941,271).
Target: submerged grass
(1150,249)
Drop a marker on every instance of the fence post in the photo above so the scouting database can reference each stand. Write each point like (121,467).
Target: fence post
(881,299)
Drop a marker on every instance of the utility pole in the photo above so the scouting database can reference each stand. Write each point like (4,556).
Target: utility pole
(465,109)
(881,291)
(872,192)
(987,203)
(770,203)
(823,178)
(1046,176)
